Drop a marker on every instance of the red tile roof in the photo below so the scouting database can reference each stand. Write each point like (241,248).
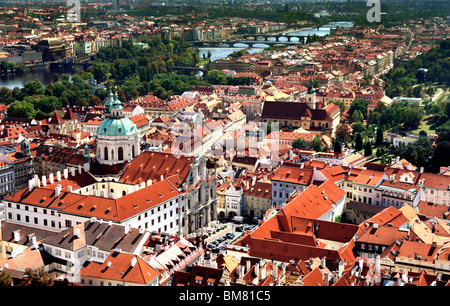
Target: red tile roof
(118,267)
(96,206)
(152,165)
(293,174)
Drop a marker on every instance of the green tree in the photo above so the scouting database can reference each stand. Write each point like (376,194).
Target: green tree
(37,277)
(316,144)
(6,95)
(358,142)
(381,151)
(337,146)
(216,77)
(343,132)
(169,65)
(21,109)
(357,116)
(34,88)
(417,91)
(358,104)
(100,71)
(299,143)
(368,149)
(379,138)
(6,279)
(47,104)
(358,128)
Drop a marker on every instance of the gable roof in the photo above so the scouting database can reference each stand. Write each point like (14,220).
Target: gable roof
(294,174)
(55,119)
(69,115)
(89,206)
(151,165)
(119,267)
(99,234)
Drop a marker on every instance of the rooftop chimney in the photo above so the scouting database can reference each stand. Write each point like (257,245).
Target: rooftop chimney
(31,184)
(77,233)
(50,177)
(66,173)
(58,176)
(133,261)
(58,190)
(16,235)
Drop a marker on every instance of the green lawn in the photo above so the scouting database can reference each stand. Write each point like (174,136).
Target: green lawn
(424,125)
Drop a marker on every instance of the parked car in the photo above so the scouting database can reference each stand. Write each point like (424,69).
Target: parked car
(230,235)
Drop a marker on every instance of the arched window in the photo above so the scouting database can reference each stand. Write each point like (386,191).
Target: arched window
(133,154)
(106,153)
(120,153)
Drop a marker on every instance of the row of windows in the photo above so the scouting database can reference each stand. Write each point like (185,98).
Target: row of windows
(45,222)
(35,209)
(6,178)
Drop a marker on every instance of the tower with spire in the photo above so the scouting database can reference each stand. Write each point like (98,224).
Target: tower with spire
(311,95)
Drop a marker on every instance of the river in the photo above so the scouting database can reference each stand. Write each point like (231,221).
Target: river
(46,76)
(218,53)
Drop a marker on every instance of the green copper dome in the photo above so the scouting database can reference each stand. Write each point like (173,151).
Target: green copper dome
(115,124)
(116,127)
(24,146)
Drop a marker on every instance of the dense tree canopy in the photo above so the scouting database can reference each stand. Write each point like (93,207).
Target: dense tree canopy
(432,66)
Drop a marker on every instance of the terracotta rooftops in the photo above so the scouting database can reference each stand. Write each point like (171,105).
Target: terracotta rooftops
(152,165)
(289,235)
(293,174)
(122,267)
(97,206)
(260,190)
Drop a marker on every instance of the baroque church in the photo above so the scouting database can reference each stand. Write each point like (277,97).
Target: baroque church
(117,136)
(145,190)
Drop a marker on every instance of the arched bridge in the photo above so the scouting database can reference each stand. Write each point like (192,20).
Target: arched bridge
(249,43)
(276,37)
